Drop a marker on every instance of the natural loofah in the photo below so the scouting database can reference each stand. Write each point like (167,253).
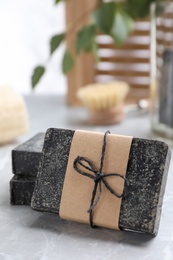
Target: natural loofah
(13,115)
(103,96)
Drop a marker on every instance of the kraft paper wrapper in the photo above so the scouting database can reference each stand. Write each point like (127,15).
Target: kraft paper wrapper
(77,189)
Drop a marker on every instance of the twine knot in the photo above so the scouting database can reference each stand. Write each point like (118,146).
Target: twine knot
(99,176)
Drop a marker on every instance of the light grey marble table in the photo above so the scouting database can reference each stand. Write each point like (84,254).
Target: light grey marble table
(27,234)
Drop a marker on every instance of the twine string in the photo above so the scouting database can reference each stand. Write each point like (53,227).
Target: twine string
(99,177)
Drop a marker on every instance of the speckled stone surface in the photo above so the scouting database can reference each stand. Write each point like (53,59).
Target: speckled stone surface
(21,190)
(26,157)
(146,172)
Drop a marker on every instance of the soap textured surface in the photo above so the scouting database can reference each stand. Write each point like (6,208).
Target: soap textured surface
(21,190)
(25,163)
(143,193)
(51,174)
(26,157)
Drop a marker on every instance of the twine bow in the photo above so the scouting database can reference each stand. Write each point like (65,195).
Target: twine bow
(99,177)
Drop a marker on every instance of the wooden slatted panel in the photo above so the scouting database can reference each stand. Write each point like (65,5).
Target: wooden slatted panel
(164,38)
(124,59)
(131,62)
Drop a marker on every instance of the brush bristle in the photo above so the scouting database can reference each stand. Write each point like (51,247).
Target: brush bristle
(103,96)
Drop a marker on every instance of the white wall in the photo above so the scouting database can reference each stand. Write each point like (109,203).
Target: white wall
(25,29)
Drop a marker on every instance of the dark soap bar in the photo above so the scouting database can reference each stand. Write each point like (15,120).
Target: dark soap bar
(26,157)
(21,190)
(142,198)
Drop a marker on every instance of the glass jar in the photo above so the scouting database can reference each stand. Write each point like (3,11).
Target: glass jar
(161,88)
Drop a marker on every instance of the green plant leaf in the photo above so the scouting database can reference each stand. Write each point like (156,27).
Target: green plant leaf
(123,25)
(95,51)
(119,30)
(68,62)
(37,74)
(138,8)
(57,1)
(130,23)
(56,41)
(104,16)
(85,38)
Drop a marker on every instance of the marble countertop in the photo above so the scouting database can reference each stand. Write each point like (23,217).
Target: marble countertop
(27,234)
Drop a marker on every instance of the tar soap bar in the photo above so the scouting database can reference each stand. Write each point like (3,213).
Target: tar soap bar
(146,173)
(25,163)
(26,157)
(21,190)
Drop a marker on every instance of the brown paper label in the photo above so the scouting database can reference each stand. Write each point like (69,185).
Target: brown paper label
(77,189)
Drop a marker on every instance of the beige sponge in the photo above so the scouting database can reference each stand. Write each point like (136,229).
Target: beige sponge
(103,96)
(13,115)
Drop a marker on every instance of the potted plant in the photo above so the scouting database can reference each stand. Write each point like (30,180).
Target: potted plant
(114,18)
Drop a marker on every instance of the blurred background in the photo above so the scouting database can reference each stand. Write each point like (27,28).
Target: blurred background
(122,47)
(25,31)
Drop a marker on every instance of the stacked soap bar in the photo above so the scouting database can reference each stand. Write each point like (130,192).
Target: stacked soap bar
(143,195)
(21,190)
(25,163)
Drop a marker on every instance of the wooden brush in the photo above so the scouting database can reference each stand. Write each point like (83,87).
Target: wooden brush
(104,101)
